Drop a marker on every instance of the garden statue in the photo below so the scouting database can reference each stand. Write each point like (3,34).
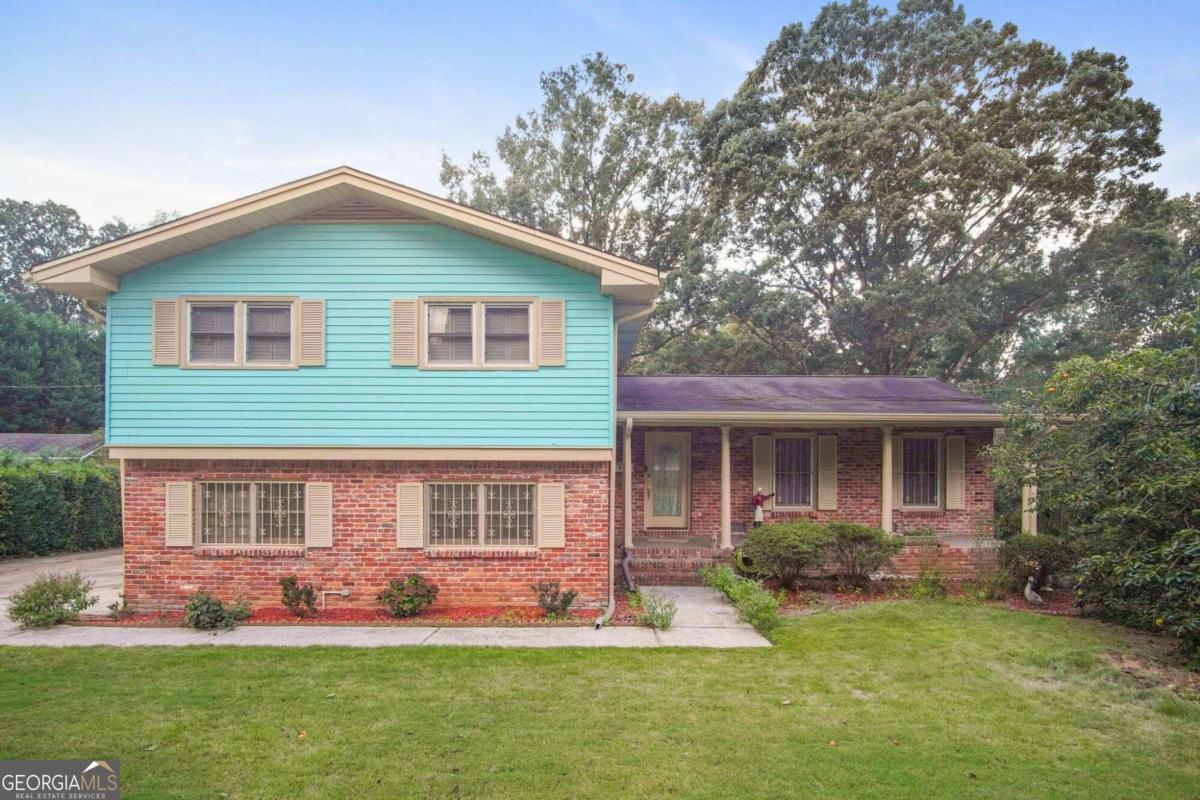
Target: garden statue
(758,501)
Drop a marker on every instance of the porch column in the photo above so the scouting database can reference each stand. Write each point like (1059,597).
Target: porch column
(627,483)
(726,511)
(1029,508)
(885,495)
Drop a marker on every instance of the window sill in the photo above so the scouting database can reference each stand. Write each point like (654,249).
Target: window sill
(921,511)
(482,552)
(249,551)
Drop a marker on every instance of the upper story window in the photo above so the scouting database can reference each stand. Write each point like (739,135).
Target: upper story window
(478,333)
(240,333)
(920,471)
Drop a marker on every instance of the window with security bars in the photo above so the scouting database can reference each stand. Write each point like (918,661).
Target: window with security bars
(245,513)
(481,514)
(793,471)
(212,333)
(506,334)
(451,334)
(268,333)
(919,471)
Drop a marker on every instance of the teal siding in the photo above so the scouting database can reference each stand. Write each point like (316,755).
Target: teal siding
(358,398)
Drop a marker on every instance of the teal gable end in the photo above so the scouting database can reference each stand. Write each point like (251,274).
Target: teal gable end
(358,398)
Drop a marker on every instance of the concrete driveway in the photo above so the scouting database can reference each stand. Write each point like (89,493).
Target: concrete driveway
(102,567)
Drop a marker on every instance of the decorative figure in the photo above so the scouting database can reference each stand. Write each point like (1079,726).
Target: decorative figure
(758,501)
(1031,595)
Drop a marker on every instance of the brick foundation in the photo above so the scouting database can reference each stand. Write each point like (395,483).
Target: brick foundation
(364,556)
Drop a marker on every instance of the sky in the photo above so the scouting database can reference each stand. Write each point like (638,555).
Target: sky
(125,109)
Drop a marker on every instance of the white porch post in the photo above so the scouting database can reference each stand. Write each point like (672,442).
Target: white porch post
(726,511)
(885,496)
(1029,508)
(627,483)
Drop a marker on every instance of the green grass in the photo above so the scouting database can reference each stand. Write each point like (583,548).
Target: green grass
(923,700)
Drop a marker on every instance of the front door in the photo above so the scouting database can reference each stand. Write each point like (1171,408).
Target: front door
(668,467)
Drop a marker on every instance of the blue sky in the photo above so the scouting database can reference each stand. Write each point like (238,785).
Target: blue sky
(125,108)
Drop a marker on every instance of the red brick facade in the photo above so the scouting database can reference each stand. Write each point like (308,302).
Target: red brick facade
(364,555)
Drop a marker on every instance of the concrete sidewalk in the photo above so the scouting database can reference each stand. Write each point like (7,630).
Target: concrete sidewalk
(704,619)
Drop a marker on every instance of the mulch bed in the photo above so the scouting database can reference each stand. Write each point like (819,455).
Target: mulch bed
(1058,604)
(447,617)
(802,602)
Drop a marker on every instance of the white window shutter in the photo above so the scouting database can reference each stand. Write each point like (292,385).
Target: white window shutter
(764,466)
(410,515)
(897,471)
(179,515)
(552,514)
(318,514)
(552,345)
(956,483)
(404,333)
(164,333)
(827,476)
(312,333)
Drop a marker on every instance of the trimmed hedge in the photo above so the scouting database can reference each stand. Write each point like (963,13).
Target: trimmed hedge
(58,507)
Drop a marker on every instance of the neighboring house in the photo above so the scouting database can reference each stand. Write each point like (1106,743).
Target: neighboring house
(350,380)
(54,446)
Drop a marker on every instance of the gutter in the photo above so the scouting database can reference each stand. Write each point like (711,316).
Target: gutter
(603,619)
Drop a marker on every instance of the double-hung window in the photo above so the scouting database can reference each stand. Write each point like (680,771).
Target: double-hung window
(478,333)
(793,471)
(240,333)
(250,513)
(920,471)
(481,514)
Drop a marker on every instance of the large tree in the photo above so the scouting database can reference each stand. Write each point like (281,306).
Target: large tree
(913,183)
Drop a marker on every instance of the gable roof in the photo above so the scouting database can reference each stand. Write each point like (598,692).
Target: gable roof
(801,397)
(96,271)
(61,444)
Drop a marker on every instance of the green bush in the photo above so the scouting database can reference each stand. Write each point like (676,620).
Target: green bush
(657,611)
(859,550)
(58,506)
(785,550)
(929,585)
(300,599)
(1156,588)
(51,599)
(1040,556)
(553,600)
(207,613)
(408,597)
(756,606)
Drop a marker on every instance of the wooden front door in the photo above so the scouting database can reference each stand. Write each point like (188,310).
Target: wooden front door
(668,479)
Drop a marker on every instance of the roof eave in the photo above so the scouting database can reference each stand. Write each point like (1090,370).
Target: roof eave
(745,418)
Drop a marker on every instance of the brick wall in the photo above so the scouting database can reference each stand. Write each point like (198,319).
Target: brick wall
(364,556)
(859,483)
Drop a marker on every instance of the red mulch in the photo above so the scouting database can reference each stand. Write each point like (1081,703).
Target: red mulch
(1058,604)
(462,616)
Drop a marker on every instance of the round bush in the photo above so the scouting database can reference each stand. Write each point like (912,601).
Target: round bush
(859,550)
(1040,556)
(408,597)
(786,550)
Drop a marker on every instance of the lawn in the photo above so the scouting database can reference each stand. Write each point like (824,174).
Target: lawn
(892,700)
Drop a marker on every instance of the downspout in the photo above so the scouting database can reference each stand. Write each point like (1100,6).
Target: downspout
(603,619)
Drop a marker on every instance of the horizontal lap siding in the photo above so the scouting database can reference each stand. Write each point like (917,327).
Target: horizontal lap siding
(358,398)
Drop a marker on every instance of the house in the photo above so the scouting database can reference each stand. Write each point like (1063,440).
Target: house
(350,380)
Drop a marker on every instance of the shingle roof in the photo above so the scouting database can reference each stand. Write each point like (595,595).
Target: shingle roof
(59,443)
(801,394)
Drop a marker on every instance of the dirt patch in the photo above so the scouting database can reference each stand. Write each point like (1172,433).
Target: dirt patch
(1150,673)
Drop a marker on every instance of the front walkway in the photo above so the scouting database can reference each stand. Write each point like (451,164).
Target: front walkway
(704,619)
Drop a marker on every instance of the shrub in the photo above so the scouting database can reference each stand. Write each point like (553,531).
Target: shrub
(859,550)
(1040,556)
(634,599)
(408,597)
(58,506)
(553,600)
(992,584)
(300,599)
(206,613)
(785,550)
(1156,588)
(929,585)
(756,606)
(51,599)
(658,611)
